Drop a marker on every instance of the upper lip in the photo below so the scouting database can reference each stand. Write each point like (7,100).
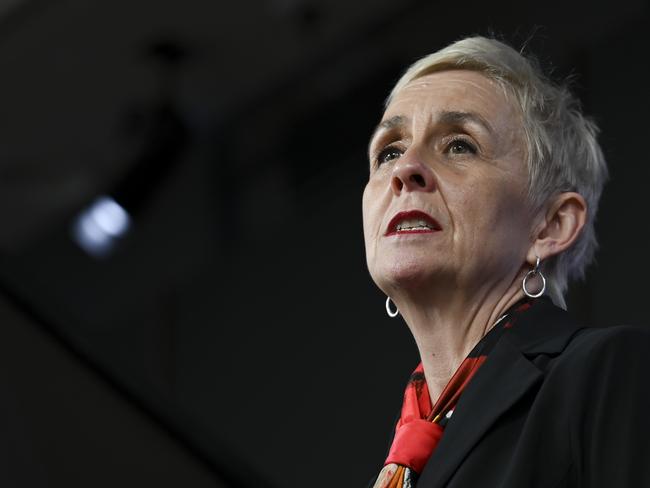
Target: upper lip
(411,214)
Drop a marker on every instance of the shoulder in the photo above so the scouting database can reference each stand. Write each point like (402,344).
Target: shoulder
(597,363)
(605,353)
(605,372)
(626,343)
(605,369)
(551,332)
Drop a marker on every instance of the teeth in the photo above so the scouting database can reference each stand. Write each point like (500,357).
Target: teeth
(399,228)
(414,224)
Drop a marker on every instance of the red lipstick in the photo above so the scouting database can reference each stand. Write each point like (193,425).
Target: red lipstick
(431,225)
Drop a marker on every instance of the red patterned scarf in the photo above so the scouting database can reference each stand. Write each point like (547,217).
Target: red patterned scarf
(421,425)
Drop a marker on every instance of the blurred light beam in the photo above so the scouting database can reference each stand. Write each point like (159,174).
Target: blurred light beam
(98,227)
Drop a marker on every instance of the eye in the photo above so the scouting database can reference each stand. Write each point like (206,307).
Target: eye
(388,154)
(461,146)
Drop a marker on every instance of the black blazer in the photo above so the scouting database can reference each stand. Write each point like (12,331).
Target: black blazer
(554,405)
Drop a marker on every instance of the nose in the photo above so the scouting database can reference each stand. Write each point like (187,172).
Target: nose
(412,175)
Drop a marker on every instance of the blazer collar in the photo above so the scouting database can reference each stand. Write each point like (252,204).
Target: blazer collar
(504,378)
(542,329)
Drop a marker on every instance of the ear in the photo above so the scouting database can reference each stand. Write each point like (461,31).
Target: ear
(565,217)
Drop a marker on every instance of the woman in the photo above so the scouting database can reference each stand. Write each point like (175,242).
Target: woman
(480,205)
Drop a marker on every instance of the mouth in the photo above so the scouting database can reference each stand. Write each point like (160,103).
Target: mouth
(412,222)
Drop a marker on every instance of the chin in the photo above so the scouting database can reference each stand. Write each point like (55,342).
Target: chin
(405,274)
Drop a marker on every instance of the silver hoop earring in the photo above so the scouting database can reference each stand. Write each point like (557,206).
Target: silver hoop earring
(389,311)
(533,272)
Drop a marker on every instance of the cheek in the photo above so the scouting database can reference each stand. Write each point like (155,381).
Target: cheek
(366,215)
(370,209)
(512,210)
(508,230)
(364,207)
(372,214)
(491,219)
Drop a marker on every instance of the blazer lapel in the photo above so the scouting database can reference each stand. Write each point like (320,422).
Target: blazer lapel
(503,379)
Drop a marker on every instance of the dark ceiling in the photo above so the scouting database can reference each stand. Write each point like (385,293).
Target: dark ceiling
(238,312)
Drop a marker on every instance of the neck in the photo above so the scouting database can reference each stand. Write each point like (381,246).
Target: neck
(447,329)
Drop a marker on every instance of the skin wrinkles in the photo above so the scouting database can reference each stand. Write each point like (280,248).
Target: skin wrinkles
(452,285)
(397,124)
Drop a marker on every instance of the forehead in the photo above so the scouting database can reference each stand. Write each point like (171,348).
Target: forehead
(454,90)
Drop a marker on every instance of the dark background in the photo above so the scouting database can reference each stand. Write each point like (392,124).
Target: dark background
(234,337)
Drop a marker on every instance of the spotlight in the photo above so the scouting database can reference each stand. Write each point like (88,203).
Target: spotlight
(160,127)
(100,226)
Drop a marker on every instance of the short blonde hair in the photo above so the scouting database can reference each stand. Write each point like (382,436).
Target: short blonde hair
(562,151)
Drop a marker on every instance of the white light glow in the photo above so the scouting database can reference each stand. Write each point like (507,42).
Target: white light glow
(99,226)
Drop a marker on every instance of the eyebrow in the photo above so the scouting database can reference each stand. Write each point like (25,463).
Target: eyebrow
(392,123)
(460,118)
(445,117)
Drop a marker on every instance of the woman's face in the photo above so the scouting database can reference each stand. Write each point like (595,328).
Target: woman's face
(446,199)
